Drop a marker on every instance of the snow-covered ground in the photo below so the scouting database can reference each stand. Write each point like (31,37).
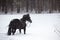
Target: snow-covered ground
(43,27)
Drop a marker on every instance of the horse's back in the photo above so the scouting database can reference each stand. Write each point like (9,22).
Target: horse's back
(15,23)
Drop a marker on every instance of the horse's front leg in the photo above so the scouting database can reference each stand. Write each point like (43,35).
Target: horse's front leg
(24,30)
(20,30)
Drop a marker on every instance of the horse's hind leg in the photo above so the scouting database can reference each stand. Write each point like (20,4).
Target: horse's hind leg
(9,31)
(13,31)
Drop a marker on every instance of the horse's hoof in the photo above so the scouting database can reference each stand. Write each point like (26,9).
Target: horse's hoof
(24,33)
(9,34)
(13,34)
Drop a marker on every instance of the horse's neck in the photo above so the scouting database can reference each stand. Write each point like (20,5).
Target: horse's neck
(23,20)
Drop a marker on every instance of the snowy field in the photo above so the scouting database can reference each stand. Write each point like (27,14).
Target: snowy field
(43,27)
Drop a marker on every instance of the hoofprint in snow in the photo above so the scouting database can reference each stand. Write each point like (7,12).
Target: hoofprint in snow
(43,27)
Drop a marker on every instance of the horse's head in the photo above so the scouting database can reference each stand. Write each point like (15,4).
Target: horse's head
(27,18)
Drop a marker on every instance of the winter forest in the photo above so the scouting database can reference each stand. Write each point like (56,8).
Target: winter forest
(37,6)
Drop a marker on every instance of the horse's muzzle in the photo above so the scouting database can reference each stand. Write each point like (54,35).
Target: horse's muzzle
(30,21)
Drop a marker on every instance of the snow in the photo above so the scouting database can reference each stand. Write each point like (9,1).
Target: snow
(43,27)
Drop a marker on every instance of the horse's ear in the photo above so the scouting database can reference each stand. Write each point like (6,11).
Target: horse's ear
(28,14)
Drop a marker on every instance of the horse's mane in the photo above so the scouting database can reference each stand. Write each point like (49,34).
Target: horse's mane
(24,17)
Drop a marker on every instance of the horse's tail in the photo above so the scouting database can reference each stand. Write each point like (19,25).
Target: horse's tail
(9,31)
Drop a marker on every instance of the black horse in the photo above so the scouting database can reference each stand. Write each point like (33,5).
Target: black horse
(18,24)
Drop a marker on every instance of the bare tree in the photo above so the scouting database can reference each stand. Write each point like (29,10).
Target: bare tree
(27,5)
